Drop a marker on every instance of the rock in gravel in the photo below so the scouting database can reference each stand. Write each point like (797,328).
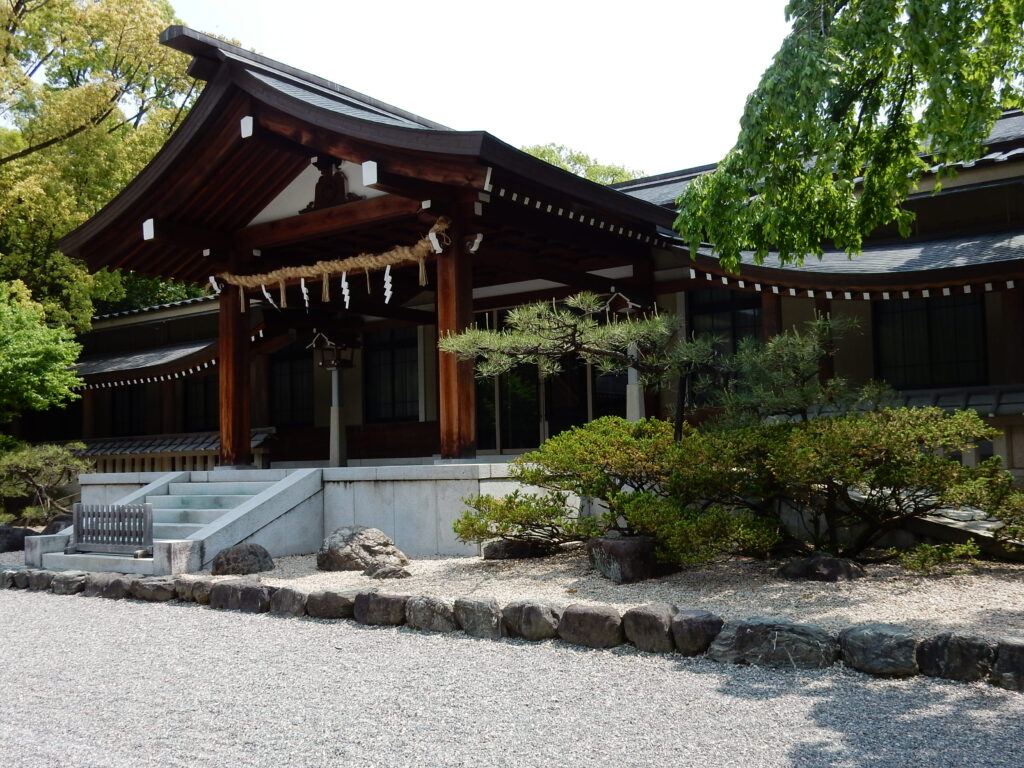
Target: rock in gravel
(532,619)
(694,631)
(387,572)
(595,626)
(649,627)
(326,604)
(356,548)
(623,560)
(430,614)
(21,577)
(155,589)
(254,598)
(68,582)
(514,549)
(58,524)
(955,657)
(772,642)
(39,581)
(1008,671)
(240,560)
(380,608)
(821,567)
(226,595)
(480,618)
(113,586)
(12,539)
(201,589)
(183,587)
(886,650)
(7,575)
(288,602)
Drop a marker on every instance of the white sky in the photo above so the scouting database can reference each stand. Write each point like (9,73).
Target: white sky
(655,85)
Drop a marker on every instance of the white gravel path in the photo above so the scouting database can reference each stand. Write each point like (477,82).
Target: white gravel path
(93,683)
(989,602)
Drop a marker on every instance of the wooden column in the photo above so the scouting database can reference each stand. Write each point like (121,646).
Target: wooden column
(235,438)
(456,388)
(827,367)
(771,314)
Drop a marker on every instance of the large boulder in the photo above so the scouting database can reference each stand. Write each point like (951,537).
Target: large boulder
(226,595)
(183,587)
(880,649)
(1008,671)
(326,604)
(201,589)
(58,524)
(649,627)
(288,602)
(955,657)
(595,626)
(532,619)
(694,631)
(821,567)
(155,589)
(380,608)
(7,575)
(480,618)
(112,586)
(13,539)
(514,549)
(774,642)
(623,560)
(254,598)
(357,548)
(241,559)
(39,581)
(430,614)
(21,578)
(68,582)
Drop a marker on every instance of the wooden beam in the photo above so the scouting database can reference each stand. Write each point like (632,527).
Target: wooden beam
(325,222)
(186,236)
(527,266)
(452,171)
(235,436)
(456,387)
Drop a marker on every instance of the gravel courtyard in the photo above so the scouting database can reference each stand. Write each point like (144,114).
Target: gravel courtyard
(93,683)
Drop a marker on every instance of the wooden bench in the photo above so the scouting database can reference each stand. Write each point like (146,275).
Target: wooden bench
(124,529)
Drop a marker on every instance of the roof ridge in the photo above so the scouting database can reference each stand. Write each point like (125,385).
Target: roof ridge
(200,44)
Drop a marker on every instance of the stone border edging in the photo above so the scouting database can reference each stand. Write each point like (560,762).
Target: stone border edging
(883,650)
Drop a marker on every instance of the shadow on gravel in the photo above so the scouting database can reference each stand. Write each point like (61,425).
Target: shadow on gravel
(877,723)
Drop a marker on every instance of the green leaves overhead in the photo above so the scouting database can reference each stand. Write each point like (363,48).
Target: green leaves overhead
(581,164)
(831,140)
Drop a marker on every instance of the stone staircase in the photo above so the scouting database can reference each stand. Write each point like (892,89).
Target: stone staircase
(193,519)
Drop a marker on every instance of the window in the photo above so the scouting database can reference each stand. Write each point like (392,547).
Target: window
(202,403)
(391,375)
(291,387)
(931,343)
(731,315)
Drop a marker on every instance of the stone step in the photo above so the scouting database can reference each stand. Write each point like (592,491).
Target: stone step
(89,561)
(200,501)
(174,530)
(200,516)
(218,488)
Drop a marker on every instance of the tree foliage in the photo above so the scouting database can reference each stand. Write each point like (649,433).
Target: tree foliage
(36,360)
(88,95)
(831,141)
(40,473)
(581,164)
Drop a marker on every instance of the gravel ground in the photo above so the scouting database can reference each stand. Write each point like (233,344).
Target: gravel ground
(989,602)
(110,683)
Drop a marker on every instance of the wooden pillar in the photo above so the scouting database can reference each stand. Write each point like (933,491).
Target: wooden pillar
(235,438)
(456,388)
(771,314)
(827,367)
(88,413)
